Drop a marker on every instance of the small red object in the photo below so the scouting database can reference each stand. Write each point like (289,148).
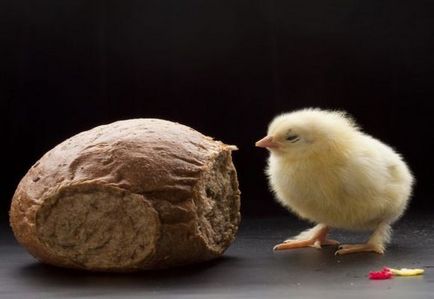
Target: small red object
(380,275)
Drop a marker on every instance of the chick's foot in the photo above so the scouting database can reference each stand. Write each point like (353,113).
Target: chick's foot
(316,243)
(356,248)
(314,237)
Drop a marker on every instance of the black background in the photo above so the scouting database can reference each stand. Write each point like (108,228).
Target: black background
(222,67)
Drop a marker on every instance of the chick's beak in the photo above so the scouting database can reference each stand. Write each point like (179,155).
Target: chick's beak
(267,142)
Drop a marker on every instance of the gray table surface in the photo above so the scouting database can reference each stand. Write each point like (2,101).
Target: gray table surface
(249,269)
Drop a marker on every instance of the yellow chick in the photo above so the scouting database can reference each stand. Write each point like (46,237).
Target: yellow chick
(326,170)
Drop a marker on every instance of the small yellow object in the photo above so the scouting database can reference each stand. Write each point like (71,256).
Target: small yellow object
(406,272)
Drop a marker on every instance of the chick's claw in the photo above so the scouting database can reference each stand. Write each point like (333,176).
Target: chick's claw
(356,248)
(293,244)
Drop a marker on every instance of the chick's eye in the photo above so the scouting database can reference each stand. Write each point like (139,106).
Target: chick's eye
(292,138)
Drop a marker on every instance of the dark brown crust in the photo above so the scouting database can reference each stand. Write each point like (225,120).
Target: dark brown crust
(169,165)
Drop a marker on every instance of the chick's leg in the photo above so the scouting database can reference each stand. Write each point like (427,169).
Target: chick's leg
(314,237)
(376,243)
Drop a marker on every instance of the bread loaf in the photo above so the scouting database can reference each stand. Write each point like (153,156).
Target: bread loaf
(134,194)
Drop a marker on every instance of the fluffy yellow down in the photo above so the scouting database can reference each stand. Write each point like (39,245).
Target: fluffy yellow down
(335,174)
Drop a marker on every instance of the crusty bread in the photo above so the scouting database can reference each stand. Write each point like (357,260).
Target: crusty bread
(134,194)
